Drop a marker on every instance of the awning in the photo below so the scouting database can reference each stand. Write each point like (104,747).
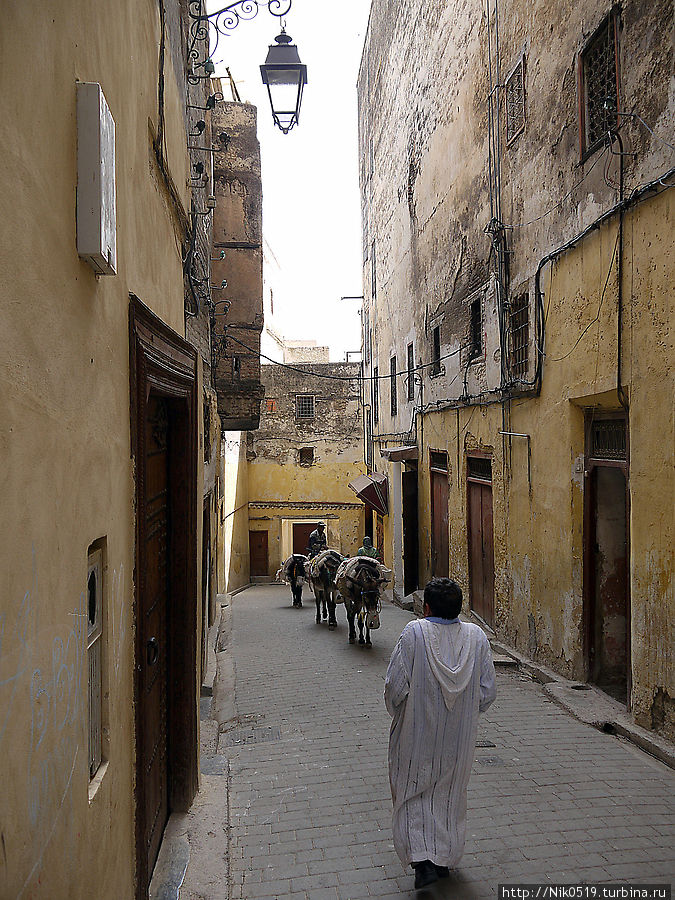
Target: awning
(372,489)
(396,454)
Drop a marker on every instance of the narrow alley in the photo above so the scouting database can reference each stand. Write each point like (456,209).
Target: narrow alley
(295,798)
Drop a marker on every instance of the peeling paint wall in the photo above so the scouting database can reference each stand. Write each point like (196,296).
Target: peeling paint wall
(457,220)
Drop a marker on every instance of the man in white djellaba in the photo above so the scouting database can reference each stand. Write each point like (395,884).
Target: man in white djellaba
(440,677)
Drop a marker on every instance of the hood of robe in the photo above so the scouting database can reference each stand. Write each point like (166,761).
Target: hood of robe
(451,653)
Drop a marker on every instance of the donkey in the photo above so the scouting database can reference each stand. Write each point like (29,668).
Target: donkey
(321,576)
(293,572)
(359,581)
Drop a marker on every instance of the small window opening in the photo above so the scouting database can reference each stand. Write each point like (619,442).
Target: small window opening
(306,456)
(393,398)
(479,467)
(438,460)
(376,395)
(519,327)
(411,372)
(94,632)
(599,86)
(436,351)
(608,439)
(304,406)
(236,368)
(515,102)
(476,336)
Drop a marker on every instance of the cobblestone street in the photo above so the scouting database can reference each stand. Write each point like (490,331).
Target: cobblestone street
(550,799)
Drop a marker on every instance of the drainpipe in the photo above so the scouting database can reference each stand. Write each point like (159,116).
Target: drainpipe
(623,400)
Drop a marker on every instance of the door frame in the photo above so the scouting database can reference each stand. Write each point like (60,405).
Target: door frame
(591,464)
(163,363)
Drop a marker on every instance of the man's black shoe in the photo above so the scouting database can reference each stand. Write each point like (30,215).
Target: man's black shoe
(442,871)
(425,873)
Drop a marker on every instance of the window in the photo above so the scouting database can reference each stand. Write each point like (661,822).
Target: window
(608,439)
(376,395)
(366,335)
(515,102)
(411,373)
(392,386)
(476,335)
(304,406)
(436,351)
(236,368)
(438,460)
(519,328)
(479,467)
(207,431)
(599,88)
(94,631)
(306,456)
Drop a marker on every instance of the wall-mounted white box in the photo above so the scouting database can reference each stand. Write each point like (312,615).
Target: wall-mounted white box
(96,196)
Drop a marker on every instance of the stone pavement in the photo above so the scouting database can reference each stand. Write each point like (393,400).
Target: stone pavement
(295,797)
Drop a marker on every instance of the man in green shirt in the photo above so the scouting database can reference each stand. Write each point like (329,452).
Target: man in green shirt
(367,549)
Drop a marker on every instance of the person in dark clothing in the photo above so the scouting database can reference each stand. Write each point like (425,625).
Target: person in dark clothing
(317,540)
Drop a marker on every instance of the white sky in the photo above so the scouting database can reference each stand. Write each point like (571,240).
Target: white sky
(311,206)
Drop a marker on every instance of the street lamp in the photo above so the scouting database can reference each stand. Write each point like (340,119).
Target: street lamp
(285,77)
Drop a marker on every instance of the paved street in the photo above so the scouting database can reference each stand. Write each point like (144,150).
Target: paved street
(550,799)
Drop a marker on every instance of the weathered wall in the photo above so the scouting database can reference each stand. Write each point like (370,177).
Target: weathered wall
(280,488)
(444,197)
(67,478)
(233,557)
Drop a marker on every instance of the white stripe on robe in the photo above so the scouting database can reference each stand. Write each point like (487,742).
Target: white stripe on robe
(433,734)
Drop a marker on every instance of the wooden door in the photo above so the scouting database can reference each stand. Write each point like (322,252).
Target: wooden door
(257,545)
(152,613)
(410,532)
(301,533)
(440,549)
(481,550)
(206,577)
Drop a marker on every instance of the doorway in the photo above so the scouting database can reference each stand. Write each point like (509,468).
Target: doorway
(606,585)
(164,449)
(206,577)
(257,546)
(480,535)
(301,533)
(440,548)
(410,529)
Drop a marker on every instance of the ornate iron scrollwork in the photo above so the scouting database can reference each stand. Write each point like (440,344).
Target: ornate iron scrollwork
(209,27)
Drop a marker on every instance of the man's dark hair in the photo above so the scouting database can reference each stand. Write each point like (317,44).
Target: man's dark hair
(443,596)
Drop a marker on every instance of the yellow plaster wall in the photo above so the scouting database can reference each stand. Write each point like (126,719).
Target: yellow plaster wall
(67,477)
(234,531)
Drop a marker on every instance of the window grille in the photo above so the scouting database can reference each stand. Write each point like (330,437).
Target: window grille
(393,398)
(304,406)
(376,395)
(599,76)
(438,460)
(436,351)
(411,374)
(94,631)
(476,336)
(479,467)
(515,102)
(306,456)
(608,439)
(519,326)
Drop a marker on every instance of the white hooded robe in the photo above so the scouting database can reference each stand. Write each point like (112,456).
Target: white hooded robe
(440,677)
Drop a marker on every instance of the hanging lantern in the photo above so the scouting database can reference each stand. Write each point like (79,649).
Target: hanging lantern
(285,77)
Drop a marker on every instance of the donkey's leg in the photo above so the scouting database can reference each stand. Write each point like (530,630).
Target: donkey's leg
(317,599)
(332,621)
(361,616)
(350,621)
(368,643)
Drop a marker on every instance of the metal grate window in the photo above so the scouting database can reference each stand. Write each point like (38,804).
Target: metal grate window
(411,374)
(393,398)
(476,336)
(306,456)
(304,406)
(436,350)
(94,631)
(376,395)
(599,75)
(608,439)
(479,467)
(515,102)
(519,327)
(438,460)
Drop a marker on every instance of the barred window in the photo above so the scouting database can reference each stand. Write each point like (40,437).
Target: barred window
(608,439)
(411,374)
(376,395)
(304,406)
(476,335)
(519,328)
(393,398)
(306,456)
(515,102)
(436,350)
(599,85)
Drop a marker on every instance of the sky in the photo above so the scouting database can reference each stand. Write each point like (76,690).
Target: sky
(311,206)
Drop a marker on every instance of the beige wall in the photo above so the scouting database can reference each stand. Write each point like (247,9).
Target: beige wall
(67,477)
